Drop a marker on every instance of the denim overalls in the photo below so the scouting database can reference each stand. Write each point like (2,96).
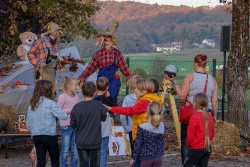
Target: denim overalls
(114,79)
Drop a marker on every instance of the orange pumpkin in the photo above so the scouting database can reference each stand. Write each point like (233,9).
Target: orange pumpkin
(18,83)
(23,127)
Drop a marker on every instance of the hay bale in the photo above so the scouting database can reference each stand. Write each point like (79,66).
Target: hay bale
(227,139)
(8,113)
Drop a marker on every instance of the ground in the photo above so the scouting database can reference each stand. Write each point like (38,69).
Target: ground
(19,154)
(19,157)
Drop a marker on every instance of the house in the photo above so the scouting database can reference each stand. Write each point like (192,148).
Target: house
(165,48)
(177,45)
(195,46)
(208,43)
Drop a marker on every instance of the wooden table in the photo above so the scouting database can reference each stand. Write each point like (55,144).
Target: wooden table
(11,135)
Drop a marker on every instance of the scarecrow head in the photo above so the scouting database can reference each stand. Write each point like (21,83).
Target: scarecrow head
(53,29)
(108,37)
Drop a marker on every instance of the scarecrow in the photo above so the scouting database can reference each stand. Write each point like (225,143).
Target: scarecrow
(108,60)
(44,53)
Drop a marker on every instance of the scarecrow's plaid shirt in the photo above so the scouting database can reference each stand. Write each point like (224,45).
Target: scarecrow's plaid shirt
(104,58)
(38,52)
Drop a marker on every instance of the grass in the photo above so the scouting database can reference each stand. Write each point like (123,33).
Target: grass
(154,63)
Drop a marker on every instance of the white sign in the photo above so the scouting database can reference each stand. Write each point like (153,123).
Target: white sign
(119,142)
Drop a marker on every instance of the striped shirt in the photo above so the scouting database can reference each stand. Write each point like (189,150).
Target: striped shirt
(103,58)
(38,52)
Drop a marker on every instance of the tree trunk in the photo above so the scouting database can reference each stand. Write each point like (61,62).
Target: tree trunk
(237,68)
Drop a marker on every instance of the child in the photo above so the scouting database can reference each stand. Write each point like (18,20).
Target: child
(86,117)
(130,101)
(200,133)
(145,95)
(66,101)
(103,95)
(148,144)
(157,85)
(41,122)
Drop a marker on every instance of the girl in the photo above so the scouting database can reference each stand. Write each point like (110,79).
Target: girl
(148,144)
(130,101)
(145,95)
(200,133)
(192,84)
(66,101)
(41,122)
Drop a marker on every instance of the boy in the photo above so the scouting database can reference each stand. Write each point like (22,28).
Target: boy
(86,117)
(104,96)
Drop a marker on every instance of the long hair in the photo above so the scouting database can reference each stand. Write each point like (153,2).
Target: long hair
(42,88)
(155,111)
(145,85)
(201,102)
(201,60)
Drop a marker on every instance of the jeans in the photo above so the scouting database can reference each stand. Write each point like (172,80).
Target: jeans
(89,157)
(184,148)
(104,151)
(68,144)
(198,157)
(44,143)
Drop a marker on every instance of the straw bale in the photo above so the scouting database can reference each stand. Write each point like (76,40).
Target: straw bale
(227,139)
(8,113)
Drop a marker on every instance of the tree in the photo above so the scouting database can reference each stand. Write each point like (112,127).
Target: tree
(32,15)
(237,68)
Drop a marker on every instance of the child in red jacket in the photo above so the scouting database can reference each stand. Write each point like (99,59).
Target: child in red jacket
(200,133)
(145,95)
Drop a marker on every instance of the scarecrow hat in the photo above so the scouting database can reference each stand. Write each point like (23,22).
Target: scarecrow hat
(51,28)
(111,31)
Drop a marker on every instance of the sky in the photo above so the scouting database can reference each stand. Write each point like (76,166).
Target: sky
(194,3)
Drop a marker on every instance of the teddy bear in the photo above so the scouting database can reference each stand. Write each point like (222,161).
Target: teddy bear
(27,38)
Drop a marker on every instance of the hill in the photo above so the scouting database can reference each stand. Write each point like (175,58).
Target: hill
(143,24)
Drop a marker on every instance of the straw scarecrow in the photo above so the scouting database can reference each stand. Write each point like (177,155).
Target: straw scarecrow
(44,53)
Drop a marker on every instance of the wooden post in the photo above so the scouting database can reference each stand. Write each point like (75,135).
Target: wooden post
(167,85)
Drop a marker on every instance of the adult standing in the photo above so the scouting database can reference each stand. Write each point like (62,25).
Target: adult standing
(108,60)
(192,84)
(44,53)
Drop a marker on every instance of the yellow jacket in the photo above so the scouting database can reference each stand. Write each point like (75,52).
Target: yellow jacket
(142,118)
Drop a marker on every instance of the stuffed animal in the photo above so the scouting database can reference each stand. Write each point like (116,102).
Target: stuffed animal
(27,38)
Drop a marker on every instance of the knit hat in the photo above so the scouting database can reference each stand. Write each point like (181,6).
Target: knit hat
(52,28)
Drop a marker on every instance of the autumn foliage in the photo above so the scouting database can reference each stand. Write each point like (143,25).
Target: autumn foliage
(32,15)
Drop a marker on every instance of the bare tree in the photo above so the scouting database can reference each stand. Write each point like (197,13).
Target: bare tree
(237,68)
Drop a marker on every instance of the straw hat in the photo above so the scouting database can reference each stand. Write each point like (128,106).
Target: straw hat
(109,32)
(53,28)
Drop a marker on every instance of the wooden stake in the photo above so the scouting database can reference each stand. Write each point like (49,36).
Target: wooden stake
(168,85)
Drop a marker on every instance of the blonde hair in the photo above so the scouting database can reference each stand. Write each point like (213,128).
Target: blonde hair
(67,81)
(155,111)
(145,85)
(132,82)
(201,102)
